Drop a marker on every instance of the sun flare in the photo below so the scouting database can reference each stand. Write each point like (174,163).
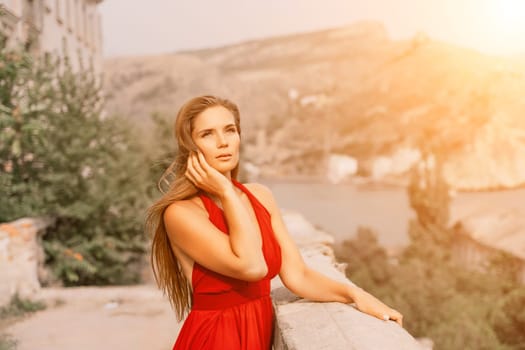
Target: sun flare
(502,25)
(508,15)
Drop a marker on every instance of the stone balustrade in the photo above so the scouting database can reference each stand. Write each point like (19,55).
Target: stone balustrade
(300,324)
(305,325)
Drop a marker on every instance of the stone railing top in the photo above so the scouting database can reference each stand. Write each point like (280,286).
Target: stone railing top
(305,325)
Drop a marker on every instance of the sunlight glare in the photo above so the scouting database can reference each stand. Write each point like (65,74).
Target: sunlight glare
(504,24)
(507,15)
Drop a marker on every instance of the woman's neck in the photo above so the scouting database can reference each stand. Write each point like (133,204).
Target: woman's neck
(217,200)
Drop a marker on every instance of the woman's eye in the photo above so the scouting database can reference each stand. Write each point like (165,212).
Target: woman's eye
(232,130)
(205,134)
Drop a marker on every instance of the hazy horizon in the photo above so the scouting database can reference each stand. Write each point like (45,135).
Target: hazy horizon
(489,26)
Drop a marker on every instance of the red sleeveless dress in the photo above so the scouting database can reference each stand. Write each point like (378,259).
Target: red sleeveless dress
(227,313)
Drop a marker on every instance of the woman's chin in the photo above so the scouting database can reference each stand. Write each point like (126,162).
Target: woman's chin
(223,168)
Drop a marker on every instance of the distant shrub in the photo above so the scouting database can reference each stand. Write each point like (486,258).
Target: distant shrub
(60,157)
(458,308)
(19,307)
(7,342)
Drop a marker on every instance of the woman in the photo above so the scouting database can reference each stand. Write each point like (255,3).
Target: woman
(217,242)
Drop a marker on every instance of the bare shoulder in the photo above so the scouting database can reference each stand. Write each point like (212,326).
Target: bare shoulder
(257,188)
(263,194)
(184,207)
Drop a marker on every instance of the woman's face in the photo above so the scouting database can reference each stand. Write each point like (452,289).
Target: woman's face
(215,134)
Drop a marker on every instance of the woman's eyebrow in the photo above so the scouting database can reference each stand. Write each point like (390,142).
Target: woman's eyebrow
(203,130)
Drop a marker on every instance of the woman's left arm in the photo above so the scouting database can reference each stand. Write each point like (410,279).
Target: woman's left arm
(310,284)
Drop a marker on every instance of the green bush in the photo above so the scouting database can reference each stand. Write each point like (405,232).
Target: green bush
(457,308)
(61,158)
(7,342)
(19,307)
(508,318)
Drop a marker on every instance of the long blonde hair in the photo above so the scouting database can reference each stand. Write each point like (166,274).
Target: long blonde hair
(174,186)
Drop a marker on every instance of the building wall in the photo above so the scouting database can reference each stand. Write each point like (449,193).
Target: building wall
(61,27)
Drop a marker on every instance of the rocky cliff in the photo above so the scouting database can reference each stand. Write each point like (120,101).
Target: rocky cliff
(349,91)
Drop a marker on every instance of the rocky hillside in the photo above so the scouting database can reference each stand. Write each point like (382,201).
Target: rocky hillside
(352,91)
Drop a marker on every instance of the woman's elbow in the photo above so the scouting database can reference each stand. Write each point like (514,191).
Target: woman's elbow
(295,281)
(293,287)
(254,273)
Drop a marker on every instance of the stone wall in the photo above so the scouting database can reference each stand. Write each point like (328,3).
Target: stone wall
(21,256)
(300,324)
(304,325)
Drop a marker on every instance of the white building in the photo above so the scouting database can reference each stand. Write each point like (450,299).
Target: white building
(61,27)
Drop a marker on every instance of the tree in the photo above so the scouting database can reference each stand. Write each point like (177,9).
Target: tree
(61,158)
(458,308)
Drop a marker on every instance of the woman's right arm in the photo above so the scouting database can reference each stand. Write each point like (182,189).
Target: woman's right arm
(238,254)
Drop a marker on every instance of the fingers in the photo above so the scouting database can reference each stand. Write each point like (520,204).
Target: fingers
(193,173)
(202,161)
(197,165)
(371,305)
(397,316)
(189,172)
(190,176)
(393,315)
(202,174)
(197,169)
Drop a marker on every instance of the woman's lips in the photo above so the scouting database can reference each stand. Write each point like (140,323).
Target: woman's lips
(224,156)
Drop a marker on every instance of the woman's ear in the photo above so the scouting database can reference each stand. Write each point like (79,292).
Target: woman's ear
(192,147)
(196,149)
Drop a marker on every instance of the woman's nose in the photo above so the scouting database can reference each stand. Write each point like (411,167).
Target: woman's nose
(221,140)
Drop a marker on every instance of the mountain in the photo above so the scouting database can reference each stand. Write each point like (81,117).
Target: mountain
(347,90)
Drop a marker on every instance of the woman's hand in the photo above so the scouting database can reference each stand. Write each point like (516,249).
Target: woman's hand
(206,177)
(369,304)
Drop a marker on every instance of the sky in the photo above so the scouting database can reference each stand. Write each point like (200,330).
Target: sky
(140,27)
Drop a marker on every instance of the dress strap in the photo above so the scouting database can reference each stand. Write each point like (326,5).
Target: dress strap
(253,199)
(208,203)
(242,187)
(211,205)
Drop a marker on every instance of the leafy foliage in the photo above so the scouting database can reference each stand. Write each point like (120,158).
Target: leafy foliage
(458,308)
(7,342)
(60,157)
(19,307)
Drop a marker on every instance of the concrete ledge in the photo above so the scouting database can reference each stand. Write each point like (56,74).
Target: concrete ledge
(20,257)
(304,325)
